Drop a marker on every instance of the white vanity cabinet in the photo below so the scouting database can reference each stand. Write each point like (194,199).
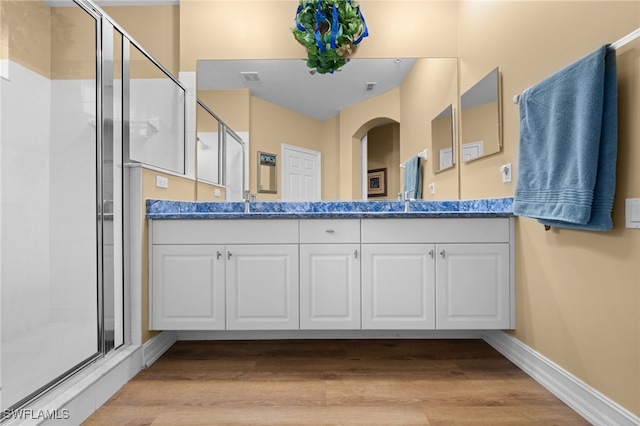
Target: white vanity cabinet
(188,287)
(230,274)
(398,289)
(330,274)
(262,287)
(437,273)
(472,286)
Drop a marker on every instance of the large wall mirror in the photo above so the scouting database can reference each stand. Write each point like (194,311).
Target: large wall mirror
(442,140)
(252,94)
(480,118)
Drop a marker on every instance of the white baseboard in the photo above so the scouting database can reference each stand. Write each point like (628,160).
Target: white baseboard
(582,398)
(328,334)
(74,401)
(156,346)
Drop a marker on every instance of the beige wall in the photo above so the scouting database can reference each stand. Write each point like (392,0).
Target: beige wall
(73,44)
(27,41)
(397,29)
(60,43)
(431,85)
(577,292)
(4,31)
(180,189)
(206,192)
(383,151)
(233,107)
(156,28)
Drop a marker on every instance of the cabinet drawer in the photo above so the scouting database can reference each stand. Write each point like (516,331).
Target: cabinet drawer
(320,231)
(224,231)
(436,230)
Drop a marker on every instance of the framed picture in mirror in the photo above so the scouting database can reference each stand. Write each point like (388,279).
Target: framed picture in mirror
(377,182)
(267,173)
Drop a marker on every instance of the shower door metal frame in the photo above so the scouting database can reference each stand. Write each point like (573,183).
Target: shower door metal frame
(106,141)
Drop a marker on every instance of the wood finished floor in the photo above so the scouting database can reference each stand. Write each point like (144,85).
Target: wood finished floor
(333,382)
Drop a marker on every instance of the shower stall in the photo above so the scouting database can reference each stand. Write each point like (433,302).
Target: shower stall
(79,99)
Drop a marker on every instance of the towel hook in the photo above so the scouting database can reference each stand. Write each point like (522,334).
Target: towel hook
(547,227)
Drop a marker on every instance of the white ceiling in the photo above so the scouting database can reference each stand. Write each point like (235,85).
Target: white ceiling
(288,82)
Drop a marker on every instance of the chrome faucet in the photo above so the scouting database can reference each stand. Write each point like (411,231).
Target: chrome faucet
(246,199)
(407,199)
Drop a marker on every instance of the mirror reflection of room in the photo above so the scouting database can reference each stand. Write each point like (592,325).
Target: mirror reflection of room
(366,94)
(480,118)
(442,140)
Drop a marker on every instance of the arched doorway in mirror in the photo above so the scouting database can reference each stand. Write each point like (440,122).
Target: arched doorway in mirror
(379,172)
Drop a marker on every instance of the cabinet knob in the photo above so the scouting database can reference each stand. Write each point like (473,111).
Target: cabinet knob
(228,255)
(442,253)
(355,254)
(218,254)
(431,254)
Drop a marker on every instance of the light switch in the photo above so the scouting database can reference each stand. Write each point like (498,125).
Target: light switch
(216,192)
(632,208)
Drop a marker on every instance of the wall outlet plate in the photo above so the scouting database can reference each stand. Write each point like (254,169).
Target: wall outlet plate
(506,173)
(162,182)
(432,188)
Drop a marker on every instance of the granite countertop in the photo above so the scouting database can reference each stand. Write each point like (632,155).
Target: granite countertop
(488,207)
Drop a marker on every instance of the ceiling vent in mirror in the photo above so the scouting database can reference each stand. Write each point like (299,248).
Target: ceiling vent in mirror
(371,85)
(250,76)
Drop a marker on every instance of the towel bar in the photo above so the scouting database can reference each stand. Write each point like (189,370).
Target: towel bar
(615,46)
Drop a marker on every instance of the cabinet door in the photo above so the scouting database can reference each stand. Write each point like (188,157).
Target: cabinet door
(330,286)
(472,286)
(187,287)
(398,290)
(262,287)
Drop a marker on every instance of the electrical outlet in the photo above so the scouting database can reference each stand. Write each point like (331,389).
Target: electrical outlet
(506,173)
(216,192)
(162,182)
(432,188)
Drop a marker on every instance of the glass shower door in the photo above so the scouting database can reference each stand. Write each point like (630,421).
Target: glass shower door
(50,216)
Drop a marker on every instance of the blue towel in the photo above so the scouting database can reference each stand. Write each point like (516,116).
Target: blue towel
(568,145)
(413,177)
